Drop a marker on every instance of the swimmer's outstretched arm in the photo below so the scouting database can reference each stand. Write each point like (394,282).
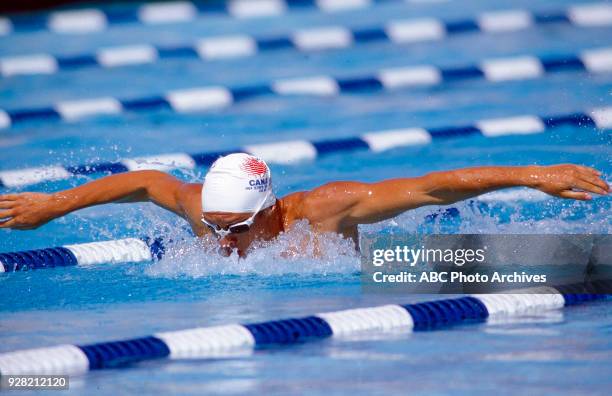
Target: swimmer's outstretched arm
(359,203)
(30,210)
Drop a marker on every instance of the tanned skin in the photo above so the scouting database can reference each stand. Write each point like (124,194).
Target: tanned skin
(333,207)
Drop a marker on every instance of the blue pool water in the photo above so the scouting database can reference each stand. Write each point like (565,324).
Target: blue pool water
(567,351)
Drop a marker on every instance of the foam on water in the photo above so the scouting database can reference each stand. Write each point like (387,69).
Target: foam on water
(297,251)
(546,216)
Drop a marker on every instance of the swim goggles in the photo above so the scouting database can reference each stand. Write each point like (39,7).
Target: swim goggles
(237,228)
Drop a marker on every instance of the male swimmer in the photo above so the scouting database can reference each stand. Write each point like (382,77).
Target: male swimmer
(237,205)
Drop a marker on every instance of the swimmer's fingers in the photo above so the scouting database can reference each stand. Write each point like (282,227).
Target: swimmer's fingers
(593,176)
(599,182)
(9,197)
(595,181)
(588,169)
(16,223)
(592,184)
(7,223)
(5,214)
(579,195)
(7,204)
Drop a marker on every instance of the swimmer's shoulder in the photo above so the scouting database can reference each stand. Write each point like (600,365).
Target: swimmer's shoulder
(292,205)
(190,191)
(189,199)
(320,203)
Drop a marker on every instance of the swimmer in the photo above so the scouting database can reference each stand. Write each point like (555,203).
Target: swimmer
(236,203)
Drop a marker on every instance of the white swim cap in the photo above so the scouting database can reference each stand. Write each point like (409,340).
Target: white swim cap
(237,183)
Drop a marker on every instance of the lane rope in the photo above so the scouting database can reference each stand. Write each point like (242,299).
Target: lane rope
(296,151)
(127,250)
(213,98)
(228,340)
(92,20)
(400,32)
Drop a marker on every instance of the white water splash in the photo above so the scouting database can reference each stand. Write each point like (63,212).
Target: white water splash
(515,194)
(297,251)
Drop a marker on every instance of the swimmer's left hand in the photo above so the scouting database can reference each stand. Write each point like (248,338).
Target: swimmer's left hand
(567,181)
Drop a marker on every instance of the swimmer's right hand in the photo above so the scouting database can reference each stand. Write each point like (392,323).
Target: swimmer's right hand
(26,211)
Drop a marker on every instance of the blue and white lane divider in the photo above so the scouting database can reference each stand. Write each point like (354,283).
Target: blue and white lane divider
(228,340)
(128,250)
(296,151)
(199,99)
(90,20)
(313,39)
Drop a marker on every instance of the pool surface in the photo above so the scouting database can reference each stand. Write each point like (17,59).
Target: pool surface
(566,352)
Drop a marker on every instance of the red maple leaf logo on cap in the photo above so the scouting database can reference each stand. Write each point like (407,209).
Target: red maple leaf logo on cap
(254,166)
